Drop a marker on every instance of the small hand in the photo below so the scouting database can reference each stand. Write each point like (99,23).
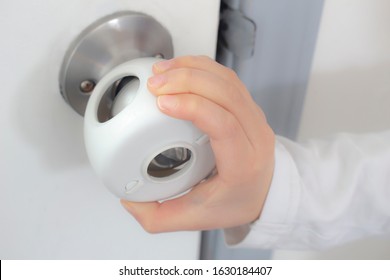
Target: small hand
(211,96)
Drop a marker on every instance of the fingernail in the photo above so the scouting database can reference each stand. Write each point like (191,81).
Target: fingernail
(156,81)
(167,102)
(162,66)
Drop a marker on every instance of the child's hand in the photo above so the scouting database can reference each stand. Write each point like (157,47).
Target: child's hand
(211,96)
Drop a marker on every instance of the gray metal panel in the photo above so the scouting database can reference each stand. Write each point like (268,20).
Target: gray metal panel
(276,75)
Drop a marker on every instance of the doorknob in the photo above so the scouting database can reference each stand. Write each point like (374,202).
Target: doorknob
(139,153)
(105,44)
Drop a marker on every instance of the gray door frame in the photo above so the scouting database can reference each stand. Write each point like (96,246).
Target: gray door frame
(276,75)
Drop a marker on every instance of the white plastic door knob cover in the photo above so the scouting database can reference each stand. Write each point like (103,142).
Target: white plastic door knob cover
(140,153)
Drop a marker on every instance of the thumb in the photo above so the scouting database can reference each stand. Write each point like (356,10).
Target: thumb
(187,212)
(143,212)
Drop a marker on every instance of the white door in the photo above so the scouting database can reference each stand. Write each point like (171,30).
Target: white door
(52,205)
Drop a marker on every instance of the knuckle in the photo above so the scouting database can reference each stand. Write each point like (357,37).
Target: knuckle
(231,74)
(237,89)
(205,58)
(192,60)
(187,76)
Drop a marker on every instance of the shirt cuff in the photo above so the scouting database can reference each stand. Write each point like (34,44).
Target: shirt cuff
(280,208)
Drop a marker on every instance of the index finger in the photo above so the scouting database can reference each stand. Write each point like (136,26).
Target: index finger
(204,63)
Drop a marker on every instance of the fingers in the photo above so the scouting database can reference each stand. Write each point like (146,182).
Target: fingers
(197,62)
(183,213)
(215,89)
(211,118)
(225,132)
(223,110)
(204,208)
(200,82)
(204,63)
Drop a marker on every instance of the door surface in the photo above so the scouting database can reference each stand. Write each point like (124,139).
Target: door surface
(52,205)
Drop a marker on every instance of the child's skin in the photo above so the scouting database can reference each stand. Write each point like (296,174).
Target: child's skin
(211,96)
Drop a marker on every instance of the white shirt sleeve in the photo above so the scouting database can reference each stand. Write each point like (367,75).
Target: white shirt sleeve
(323,193)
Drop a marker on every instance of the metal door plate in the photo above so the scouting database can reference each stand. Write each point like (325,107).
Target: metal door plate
(105,44)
